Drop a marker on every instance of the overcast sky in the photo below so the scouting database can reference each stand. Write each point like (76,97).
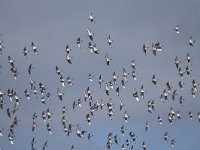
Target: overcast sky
(51,25)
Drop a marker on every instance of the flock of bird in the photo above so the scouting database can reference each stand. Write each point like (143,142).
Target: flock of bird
(38,90)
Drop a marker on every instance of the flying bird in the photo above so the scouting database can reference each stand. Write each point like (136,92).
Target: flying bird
(191,41)
(177,29)
(34,48)
(91,18)
(110,41)
(78,42)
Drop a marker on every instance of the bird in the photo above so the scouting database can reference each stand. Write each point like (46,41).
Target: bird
(134,75)
(49,128)
(146,126)
(142,91)
(100,81)
(30,67)
(156,48)
(160,120)
(88,119)
(180,84)
(91,18)
(116,139)
(59,94)
(1,47)
(166,137)
(27,94)
(90,77)
(34,48)
(188,71)
(198,116)
(121,105)
(136,94)
(177,29)
(78,42)
(25,52)
(144,147)
(110,41)
(33,142)
(45,145)
(188,58)
(11,62)
(122,130)
(154,80)
(191,41)
(67,49)
(173,141)
(190,115)
(117,91)
(144,48)
(93,48)
(133,64)
(11,138)
(108,59)
(177,62)
(90,34)
(1,131)
(125,75)
(181,73)
(69,58)
(126,116)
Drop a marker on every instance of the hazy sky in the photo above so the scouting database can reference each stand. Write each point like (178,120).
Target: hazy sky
(51,25)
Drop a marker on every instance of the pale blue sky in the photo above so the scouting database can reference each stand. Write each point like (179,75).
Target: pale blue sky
(131,23)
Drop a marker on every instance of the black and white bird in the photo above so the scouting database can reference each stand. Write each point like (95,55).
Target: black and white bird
(91,18)
(144,147)
(30,67)
(69,58)
(136,94)
(126,116)
(198,116)
(191,41)
(90,77)
(121,105)
(177,62)
(78,42)
(156,48)
(11,138)
(177,29)
(190,115)
(34,48)
(60,94)
(142,91)
(100,81)
(146,126)
(88,119)
(154,80)
(67,49)
(110,41)
(122,130)
(180,84)
(188,58)
(45,145)
(90,34)
(144,49)
(11,62)
(173,141)
(108,59)
(1,46)
(49,128)
(160,120)
(1,132)
(25,52)
(166,137)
